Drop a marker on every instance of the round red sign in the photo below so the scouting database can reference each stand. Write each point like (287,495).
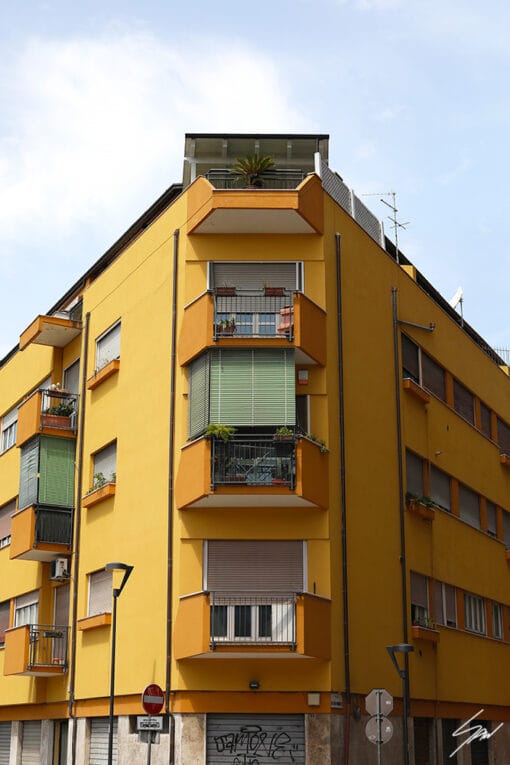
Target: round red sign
(153,699)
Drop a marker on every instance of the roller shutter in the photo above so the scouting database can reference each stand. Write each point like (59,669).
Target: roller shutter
(31,743)
(250,565)
(98,752)
(5,742)
(198,395)
(264,739)
(29,469)
(56,482)
(255,276)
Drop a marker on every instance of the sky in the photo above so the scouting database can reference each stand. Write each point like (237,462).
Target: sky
(95,99)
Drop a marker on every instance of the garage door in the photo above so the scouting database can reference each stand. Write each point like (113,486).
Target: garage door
(98,753)
(31,743)
(5,742)
(261,739)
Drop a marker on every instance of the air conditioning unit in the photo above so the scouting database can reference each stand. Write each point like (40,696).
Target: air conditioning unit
(59,569)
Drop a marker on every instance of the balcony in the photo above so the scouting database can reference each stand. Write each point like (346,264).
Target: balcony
(56,331)
(40,533)
(252,472)
(252,318)
(256,211)
(36,650)
(50,412)
(253,625)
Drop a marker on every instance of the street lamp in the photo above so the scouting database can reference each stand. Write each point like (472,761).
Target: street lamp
(406,649)
(116,592)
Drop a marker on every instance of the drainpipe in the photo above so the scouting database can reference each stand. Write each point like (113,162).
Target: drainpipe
(77,529)
(171,446)
(403,563)
(343,504)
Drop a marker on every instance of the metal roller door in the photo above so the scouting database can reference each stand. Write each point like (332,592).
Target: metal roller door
(264,739)
(98,753)
(5,742)
(31,743)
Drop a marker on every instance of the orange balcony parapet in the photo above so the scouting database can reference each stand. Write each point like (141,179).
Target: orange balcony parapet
(47,412)
(36,650)
(40,533)
(55,331)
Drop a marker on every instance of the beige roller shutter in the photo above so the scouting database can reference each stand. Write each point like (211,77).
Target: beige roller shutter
(255,565)
(261,739)
(31,743)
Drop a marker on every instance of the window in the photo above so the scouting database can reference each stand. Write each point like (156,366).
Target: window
(26,609)
(474,614)
(445,604)
(8,429)
(469,506)
(492,523)
(414,474)
(108,346)
(105,465)
(71,379)
(503,437)
(433,377)
(5,523)
(419,600)
(506,529)
(497,621)
(100,593)
(302,414)
(410,360)
(485,420)
(5,609)
(440,488)
(463,402)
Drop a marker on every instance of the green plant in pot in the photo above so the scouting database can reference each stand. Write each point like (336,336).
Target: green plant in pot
(225,432)
(250,170)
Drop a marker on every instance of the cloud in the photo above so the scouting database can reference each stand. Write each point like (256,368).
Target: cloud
(90,125)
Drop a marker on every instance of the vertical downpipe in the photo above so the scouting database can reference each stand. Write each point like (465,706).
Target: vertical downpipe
(343,505)
(403,563)
(171,444)
(77,528)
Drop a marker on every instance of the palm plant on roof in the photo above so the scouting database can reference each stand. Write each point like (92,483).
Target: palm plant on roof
(249,170)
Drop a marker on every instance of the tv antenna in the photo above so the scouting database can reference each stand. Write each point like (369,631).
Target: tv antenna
(458,299)
(393,207)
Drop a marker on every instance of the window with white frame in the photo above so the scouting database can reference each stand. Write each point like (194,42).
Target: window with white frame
(26,608)
(497,621)
(474,614)
(445,604)
(5,610)
(419,600)
(105,465)
(6,512)
(8,429)
(100,593)
(108,346)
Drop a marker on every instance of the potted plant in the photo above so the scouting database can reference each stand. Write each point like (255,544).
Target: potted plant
(225,291)
(420,505)
(250,170)
(224,432)
(284,441)
(57,416)
(319,441)
(226,326)
(274,291)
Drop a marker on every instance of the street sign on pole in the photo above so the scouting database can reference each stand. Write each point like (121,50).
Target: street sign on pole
(379,730)
(149,723)
(379,702)
(153,699)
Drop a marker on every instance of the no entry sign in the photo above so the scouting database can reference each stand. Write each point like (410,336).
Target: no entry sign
(153,699)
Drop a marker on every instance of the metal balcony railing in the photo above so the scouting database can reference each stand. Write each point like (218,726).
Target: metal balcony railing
(255,461)
(48,646)
(59,409)
(253,618)
(253,313)
(53,526)
(222,178)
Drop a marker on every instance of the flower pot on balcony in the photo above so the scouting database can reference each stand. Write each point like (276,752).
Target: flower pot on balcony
(225,291)
(54,421)
(274,291)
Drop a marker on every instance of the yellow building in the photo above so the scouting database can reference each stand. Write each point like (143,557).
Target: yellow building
(304,454)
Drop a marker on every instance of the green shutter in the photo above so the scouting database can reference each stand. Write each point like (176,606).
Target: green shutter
(29,468)
(252,387)
(56,483)
(198,395)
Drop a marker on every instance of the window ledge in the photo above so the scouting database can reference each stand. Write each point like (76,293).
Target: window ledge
(93,622)
(505,460)
(421,511)
(425,633)
(103,374)
(415,390)
(98,495)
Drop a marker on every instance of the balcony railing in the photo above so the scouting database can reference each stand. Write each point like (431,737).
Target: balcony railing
(222,178)
(48,646)
(255,461)
(253,313)
(53,526)
(253,618)
(59,409)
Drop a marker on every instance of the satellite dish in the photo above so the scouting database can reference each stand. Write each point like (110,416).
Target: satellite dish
(457,298)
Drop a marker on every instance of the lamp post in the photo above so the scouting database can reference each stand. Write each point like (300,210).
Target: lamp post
(406,649)
(116,592)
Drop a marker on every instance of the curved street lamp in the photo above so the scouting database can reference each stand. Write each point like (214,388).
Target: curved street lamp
(116,592)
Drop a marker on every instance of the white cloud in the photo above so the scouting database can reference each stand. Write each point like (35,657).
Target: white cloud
(95,123)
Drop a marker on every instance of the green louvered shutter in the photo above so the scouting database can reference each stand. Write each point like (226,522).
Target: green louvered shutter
(198,414)
(29,468)
(252,387)
(56,483)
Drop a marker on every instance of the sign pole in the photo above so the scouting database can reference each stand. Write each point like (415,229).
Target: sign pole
(149,743)
(379,726)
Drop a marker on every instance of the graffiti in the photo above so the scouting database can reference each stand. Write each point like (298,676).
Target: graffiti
(251,745)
